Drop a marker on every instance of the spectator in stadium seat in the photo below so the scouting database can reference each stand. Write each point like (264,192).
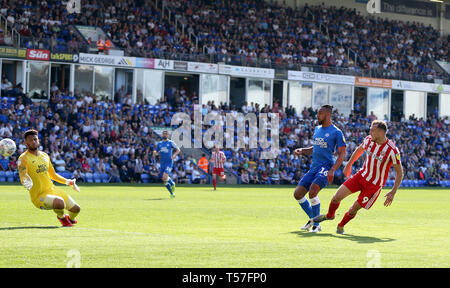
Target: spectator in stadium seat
(138,169)
(85,167)
(60,164)
(124,176)
(264,177)
(100,167)
(7,40)
(189,168)
(154,174)
(196,176)
(78,175)
(4,163)
(254,179)
(12,165)
(6,87)
(182,177)
(115,176)
(245,177)
(5,131)
(275,177)
(285,178)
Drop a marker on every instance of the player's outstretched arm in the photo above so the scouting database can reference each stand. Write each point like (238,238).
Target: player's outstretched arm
(337,164)
(303,151)
(58,178)
(25,179)
(176,153)
(55,176)
(355,156)
(398,180)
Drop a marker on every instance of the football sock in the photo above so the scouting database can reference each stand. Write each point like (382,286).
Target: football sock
(169,187)
(214,183)
(332,209)
(347,217)
(304,203)
(315,206)
(59,213)
(72,215)
(170,181)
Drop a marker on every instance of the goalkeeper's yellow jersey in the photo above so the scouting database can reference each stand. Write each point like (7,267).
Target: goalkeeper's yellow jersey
(40,170)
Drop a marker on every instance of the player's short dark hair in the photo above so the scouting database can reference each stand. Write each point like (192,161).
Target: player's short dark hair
(30,132)
(327,107)
(380,124)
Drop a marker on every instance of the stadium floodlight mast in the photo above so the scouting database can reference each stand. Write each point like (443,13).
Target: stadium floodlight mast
(373,6)
(74,6)
(214,135)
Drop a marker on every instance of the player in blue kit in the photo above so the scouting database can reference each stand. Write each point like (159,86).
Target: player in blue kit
(326,140)
(165,150)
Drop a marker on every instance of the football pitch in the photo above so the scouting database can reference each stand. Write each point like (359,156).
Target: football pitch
(235,226)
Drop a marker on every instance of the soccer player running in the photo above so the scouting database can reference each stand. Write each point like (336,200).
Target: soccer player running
(327,138)
(166,156)
(36,173)
(218,158)
(381,153)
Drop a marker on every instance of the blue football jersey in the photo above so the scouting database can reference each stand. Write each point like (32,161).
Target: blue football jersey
(165,149)
(326,140)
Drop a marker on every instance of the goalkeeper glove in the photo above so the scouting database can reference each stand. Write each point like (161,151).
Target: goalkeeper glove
(73,183)
(27,182)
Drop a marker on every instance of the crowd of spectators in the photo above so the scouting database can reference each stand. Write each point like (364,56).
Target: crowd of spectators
(424,146)
(133,26)
(316,35)
(241,32)
(83,134)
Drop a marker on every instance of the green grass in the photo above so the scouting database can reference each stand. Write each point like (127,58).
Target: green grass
(238,226)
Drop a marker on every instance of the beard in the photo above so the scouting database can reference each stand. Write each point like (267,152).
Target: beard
(320,122)
(32,149)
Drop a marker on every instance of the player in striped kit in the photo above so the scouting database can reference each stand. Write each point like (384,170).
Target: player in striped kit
(381,154)
(218,158)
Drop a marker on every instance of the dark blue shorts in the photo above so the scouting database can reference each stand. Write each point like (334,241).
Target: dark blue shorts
(317,175)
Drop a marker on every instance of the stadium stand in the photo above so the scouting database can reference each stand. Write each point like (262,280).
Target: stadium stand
(255,33)
(83,139)
(313,35)
(240,32)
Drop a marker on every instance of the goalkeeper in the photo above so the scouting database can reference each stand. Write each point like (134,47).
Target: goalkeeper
(36,174)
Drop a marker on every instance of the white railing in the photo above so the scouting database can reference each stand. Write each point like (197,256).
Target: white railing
(166,12)
(10,30)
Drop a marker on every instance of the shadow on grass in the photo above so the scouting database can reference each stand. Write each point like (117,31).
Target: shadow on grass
(355,238)
(29,227)
(156,199)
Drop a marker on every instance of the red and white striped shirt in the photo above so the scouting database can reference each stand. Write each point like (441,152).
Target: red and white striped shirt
(379,159)
(218,159)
